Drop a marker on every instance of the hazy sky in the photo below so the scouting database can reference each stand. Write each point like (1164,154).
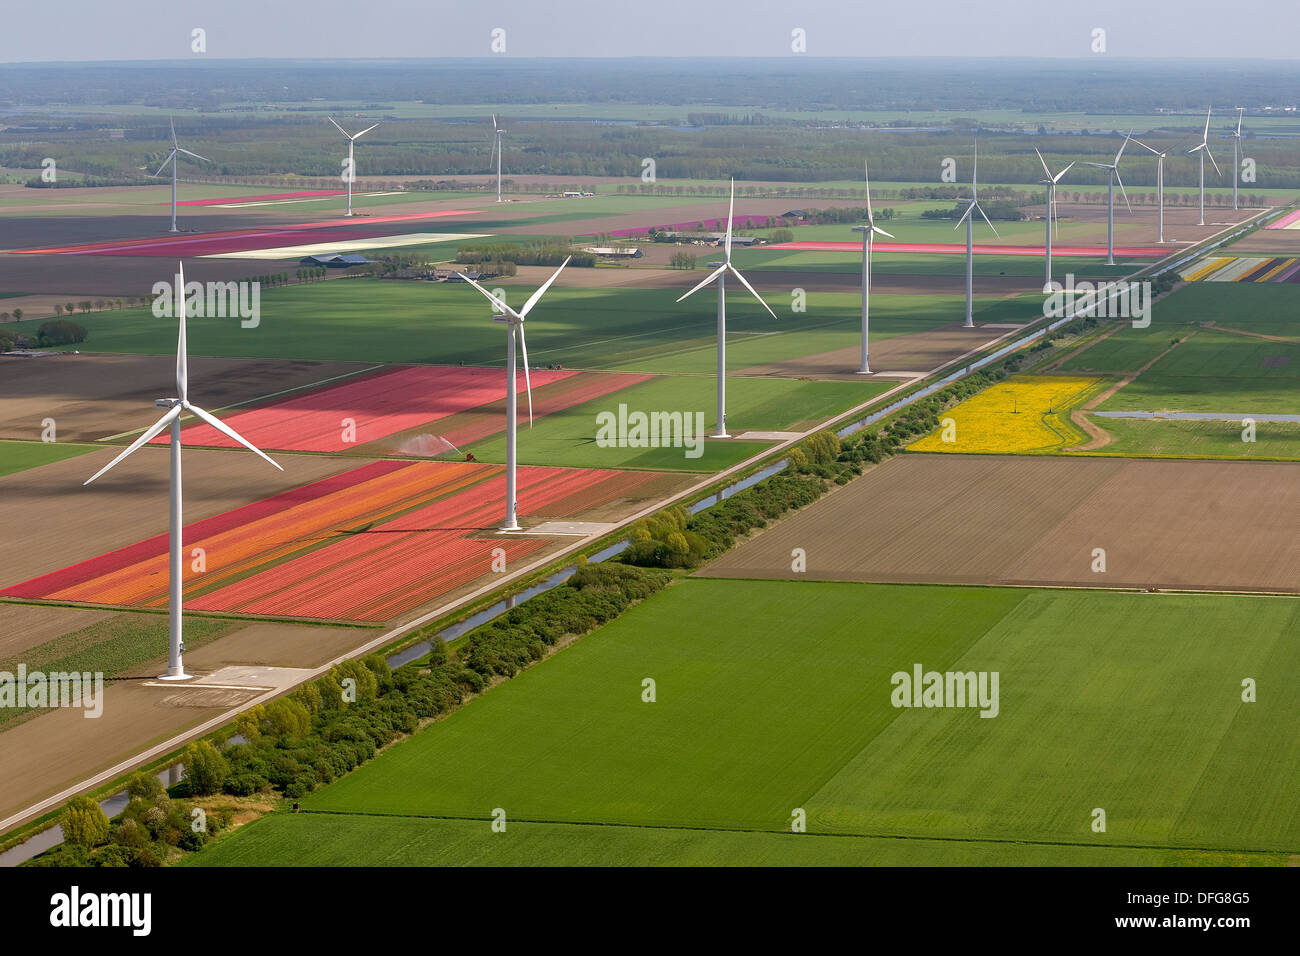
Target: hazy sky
(160,29)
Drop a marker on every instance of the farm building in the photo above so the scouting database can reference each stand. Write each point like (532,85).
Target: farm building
(615,252)
(336,260)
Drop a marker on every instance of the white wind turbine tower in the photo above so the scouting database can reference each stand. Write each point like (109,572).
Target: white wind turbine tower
(176,406)
(496,148)
(1160,188)
(1112,177)
(1236,156)
(720,273)
(1204,149)
(172,158)
(869,233)
(1051,182)
(352,165)
(514,321)
(969,219)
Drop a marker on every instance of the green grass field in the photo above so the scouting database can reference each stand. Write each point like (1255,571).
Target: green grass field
(20,455)
(921,264)
(773,696)
(1189,439)
(371,320)
(753,404)
(338,839)
(1217,372)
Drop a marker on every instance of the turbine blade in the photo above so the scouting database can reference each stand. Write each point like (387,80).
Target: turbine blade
(528,385)
(871,216)
(1047,172)
(532,300)
(172,123)
(170,156)
(1146,147)
(1123,147)
(504,309)
(1062,173)
(338,127)
(1122,192)
(970,208)
(1239,112)
(745,283)
(706,280)
(149,434)
(195,155)
(986,219)
(880,232)
(1217,171)
(731,209)
(364,132)
(182,350)
(229,432)
(1206,135)
(975,168)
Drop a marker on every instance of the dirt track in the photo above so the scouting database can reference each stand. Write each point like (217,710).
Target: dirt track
(966,519)
(91,397)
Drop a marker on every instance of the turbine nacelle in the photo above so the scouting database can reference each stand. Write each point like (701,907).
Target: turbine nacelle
(726,265)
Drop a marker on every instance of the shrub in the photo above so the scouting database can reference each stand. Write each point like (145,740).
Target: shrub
(206,769)
(84,823)
(60,332)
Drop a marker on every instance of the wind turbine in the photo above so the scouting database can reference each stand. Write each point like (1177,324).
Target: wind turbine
(720,273)
(514,321)
(352,165)
(175,407)
(496,148)
(970,238)
(869,233)
(171,158)
(1160,188)
(1112,177)
(1051,182)
(1204,149)
(1236,156)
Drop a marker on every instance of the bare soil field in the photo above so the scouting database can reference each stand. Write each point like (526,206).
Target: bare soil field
(1037,521)
(1277,242)
(55,750)
(26,625)
(91,397)
(917,352)
(52,521)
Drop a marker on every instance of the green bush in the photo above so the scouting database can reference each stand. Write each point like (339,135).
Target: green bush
(84,823)
(60,332)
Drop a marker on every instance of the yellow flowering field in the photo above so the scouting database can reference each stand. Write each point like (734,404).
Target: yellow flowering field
(1023,414)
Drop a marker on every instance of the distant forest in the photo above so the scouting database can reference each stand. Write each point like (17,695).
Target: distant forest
(45,111)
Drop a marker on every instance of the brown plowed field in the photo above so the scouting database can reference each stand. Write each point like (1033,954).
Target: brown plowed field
(91,397)
(917,352)
(26,625)
(962,519)
(51,521)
